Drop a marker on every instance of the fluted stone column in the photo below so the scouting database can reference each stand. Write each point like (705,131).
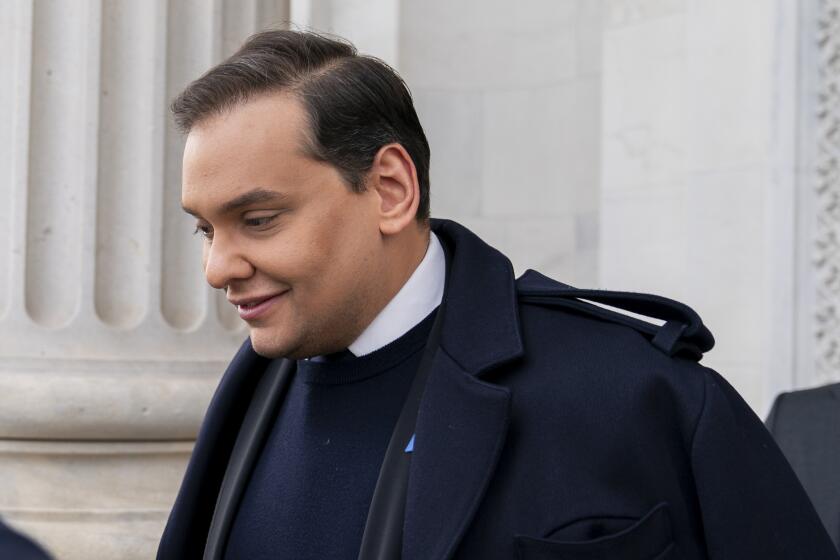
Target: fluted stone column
(111,343)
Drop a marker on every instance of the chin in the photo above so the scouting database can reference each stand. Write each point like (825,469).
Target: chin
(268,346)
(271,344)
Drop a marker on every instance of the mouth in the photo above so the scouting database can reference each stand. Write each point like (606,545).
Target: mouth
(254,308)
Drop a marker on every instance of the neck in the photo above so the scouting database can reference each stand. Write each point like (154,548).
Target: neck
(402,256)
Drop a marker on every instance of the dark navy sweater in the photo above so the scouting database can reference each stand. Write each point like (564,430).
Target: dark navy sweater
(309,494)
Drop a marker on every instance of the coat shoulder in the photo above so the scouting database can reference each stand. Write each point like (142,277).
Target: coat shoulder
(799,412)
(824,395)
(578,352)
(633,353)
(668,325)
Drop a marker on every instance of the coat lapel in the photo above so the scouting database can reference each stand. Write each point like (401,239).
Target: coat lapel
(249,443)
(190,517)
(461,430)
(463,420)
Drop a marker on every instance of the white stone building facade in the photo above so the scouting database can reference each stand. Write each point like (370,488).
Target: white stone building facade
(683,147)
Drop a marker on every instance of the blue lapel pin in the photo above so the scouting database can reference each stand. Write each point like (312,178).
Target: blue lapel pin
(410,447)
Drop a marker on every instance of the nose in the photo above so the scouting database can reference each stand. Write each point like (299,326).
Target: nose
(224,263)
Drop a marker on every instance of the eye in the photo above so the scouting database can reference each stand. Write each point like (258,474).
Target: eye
(259,221)
(206,231)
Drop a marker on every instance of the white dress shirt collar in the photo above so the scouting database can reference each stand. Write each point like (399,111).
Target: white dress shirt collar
(419,296)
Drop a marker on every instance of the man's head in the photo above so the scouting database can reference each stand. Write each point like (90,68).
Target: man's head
(307,171)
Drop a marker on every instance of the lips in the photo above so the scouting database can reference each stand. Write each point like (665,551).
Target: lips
(254,307)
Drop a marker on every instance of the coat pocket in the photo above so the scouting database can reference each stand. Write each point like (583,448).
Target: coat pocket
(649,538)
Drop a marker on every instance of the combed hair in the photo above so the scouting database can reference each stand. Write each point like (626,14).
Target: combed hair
(355,104)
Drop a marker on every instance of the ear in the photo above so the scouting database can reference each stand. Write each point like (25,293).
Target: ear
(394,179)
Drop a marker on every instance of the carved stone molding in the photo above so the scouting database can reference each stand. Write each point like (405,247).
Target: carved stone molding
(826,243)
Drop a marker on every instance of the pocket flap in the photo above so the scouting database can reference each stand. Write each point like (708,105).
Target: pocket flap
(649,538)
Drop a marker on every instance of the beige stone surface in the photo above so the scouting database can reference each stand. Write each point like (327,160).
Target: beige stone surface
(84,500)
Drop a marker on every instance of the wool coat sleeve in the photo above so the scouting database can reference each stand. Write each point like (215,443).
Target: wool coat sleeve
(752,503)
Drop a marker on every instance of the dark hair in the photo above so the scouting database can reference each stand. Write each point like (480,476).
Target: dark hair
(355,104)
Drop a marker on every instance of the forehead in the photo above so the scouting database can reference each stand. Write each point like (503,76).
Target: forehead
(258,143)
(277,118)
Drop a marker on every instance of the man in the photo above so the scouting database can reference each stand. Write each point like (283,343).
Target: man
(806,425)
(400,394)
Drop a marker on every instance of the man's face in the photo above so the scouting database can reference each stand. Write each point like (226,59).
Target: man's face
(281,226)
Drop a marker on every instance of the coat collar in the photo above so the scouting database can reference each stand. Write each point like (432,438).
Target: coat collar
(481,326)
(463,421)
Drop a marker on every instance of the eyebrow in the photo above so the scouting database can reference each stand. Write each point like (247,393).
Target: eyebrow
(255,196)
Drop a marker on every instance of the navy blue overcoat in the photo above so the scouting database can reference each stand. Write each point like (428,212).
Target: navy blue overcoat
(552,428)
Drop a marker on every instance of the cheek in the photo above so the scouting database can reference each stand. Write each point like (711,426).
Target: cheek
(324,254)
(333,234)
(299,257)
(338,256)
(352,246)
